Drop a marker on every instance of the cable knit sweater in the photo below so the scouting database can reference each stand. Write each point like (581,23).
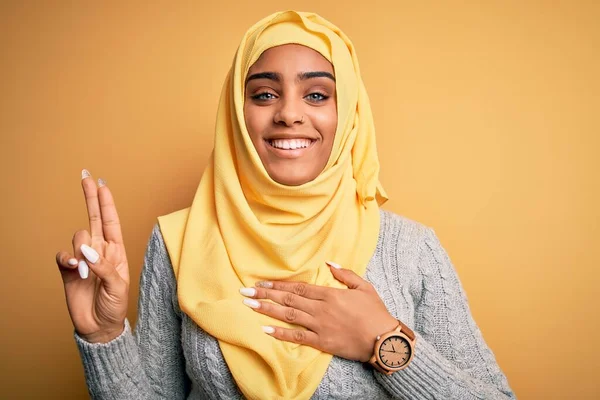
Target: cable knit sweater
(170,357)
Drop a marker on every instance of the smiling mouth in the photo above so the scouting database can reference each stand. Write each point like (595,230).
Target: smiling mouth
(289,148)
(290,144)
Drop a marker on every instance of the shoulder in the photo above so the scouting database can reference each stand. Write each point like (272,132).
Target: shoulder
(401,238)
(157,278)
(156,242)
(396,266)
(400,231)
(402,243)
(157,262)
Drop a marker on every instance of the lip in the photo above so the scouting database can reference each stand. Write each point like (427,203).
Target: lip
(290,136)
(290,154)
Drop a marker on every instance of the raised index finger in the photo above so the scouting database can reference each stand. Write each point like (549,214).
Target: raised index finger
(90,191)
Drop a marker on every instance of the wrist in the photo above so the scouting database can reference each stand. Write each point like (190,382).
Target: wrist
(387,325)
(394,350)
(103,336)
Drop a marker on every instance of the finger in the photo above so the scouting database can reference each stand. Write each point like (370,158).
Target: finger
(81,237)
(90,191)
(70,268)
(111,225)
(286,314)
(66,261)
(284,298)
(308,338)
(305,290)
(346,276)
(103,268)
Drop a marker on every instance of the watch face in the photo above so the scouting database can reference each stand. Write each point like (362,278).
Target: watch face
(395,351)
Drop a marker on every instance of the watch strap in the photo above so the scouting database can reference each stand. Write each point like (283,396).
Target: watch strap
(406,330)
(378,367)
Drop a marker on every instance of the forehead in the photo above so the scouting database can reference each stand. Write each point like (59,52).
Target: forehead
(291,58)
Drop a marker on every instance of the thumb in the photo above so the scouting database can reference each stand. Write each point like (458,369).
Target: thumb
(346,276)
(100,265)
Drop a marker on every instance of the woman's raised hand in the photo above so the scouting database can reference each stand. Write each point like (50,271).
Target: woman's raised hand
(96,273)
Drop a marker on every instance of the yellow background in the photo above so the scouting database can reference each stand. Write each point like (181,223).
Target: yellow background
(487,123)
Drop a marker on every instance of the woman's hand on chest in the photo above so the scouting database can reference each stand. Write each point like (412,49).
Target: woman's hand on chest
(342,322)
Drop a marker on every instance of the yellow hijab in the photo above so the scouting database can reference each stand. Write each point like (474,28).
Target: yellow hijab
(243,227)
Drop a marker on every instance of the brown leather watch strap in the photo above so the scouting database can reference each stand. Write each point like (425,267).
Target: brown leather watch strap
(378,367)
(406,330)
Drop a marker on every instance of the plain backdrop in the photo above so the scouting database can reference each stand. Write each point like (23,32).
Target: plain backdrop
(487,125)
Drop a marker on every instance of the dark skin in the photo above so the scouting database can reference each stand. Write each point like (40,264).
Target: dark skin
(97,304)
(291,95)
(343,322)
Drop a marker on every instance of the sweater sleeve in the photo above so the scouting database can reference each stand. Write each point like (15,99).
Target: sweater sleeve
(452,360)
(148,364)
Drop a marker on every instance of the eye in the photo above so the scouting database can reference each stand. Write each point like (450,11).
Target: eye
(264,96)
(316,97)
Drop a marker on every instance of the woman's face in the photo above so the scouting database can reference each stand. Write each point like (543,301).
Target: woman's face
(290,112)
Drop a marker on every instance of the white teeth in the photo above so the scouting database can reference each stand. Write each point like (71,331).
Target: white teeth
(290,144)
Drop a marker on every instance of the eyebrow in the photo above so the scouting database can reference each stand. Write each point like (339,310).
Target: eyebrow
(302,76)
(315,74)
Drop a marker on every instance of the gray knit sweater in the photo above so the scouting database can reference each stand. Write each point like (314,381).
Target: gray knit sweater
(170,357)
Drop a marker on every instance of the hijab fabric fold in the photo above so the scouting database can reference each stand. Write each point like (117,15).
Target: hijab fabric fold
(243,227)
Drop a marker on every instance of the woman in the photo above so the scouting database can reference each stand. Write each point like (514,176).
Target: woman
(243,294)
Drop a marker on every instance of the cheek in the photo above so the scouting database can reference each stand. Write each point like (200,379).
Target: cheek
(254,120)
(326,124)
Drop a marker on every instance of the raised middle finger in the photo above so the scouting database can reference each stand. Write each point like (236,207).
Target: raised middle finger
(111,224)
(90,191)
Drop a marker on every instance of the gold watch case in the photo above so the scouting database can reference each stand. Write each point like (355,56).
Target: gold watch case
(393,351)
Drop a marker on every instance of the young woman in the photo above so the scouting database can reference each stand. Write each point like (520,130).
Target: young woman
(284,279)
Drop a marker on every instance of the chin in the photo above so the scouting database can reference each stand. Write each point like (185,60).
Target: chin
(294,177)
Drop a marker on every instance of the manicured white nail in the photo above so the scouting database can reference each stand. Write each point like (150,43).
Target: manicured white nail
(89,253)
(251,303)
(72,261)
(101,182)
(334,265)
(85,174)
(248,291)
(268,329)
(84,270)
(265,284)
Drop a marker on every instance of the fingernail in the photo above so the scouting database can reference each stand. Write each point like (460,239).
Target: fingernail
(268,329)
(265,284)
(85,174)
(101,182)
(251,303)
(334,265)
(84,270)
(248,291)
(90,254)
(72,261)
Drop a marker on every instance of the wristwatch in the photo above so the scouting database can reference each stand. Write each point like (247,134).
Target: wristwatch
(394,350)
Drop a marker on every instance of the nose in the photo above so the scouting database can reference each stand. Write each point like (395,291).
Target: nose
(289,112)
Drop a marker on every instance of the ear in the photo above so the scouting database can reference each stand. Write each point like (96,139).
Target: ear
(346,276)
